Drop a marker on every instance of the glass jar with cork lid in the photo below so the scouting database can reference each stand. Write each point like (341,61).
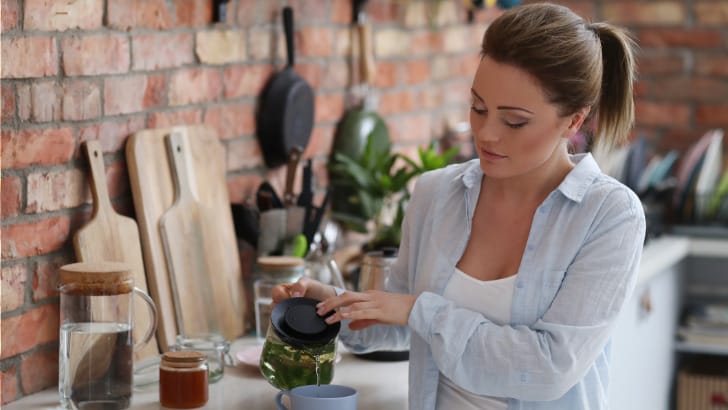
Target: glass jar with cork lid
(272,271)
(183,379)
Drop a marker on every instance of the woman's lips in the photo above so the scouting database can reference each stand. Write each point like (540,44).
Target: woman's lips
(491,155)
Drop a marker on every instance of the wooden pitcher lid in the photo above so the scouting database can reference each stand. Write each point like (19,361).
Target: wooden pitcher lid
(98,277)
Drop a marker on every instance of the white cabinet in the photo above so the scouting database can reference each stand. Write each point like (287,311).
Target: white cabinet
(643,357)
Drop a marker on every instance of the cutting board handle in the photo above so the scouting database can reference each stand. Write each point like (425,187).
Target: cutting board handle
(183,179)
(99,189)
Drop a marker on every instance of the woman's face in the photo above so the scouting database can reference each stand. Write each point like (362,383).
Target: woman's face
(516,129)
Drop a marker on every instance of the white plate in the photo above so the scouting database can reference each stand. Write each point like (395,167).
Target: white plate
(250,355)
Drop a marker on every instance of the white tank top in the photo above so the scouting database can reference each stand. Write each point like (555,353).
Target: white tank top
(492,298)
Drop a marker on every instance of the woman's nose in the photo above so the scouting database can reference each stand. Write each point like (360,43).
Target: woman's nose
(486,132)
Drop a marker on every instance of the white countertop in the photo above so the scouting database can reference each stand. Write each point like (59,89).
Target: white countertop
(381,385)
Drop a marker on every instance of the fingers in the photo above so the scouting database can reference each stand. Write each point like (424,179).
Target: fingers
(335,302)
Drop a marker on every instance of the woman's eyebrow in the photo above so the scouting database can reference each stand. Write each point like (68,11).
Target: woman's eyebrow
(500,107)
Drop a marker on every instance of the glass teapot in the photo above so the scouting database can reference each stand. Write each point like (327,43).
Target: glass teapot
(300,347)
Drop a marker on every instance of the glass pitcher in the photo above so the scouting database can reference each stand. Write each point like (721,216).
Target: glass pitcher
(300,347)
(96,345)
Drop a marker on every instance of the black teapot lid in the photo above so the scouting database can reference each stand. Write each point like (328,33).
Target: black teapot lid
(296,322)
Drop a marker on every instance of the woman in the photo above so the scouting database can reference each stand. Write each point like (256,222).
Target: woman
(513,267)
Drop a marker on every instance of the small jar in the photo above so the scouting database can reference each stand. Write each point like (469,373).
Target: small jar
(183,379)
(272,271)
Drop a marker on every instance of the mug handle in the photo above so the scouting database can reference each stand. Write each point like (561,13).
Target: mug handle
(279,395)
(153,313)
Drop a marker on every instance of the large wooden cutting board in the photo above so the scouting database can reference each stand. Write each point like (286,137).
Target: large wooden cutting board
(111,237)
(153,189)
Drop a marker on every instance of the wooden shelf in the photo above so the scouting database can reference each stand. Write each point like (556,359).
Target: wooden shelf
(688,347)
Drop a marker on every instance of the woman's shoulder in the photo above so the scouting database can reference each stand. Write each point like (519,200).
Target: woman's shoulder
(446,175)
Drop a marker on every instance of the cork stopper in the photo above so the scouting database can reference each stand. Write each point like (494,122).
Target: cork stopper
(96,278)
(279,262)
(183,358)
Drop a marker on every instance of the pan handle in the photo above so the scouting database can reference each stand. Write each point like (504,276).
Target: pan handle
(289,199)
(288,28)
(366,63)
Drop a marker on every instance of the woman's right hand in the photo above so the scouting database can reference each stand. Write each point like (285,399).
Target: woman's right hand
(304,287)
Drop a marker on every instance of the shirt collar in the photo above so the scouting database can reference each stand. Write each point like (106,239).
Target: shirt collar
(574,186)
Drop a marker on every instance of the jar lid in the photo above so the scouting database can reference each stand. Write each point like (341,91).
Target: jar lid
(101,278)
(296,322)
(183,357)
(279,262)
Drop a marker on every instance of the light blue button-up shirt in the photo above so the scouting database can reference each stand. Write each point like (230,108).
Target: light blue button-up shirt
(577,271)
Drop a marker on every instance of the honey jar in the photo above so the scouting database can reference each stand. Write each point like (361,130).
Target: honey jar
(183,379)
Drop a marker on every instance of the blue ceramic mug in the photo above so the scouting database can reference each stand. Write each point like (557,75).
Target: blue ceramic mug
(324,397)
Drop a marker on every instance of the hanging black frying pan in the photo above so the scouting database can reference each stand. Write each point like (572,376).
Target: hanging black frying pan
(286,109)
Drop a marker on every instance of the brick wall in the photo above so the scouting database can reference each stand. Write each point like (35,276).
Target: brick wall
(102,69)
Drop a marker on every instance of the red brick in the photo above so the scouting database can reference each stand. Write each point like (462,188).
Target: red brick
(675,37)
(231,120)
(195,86)
(458,92)
(39,370)
(252,12)
(112,134)
(647,13)
(697,88)
(335,76)
(711,64)
(680,140)
(383,10)
(117,180)
(311,11)
(411,129)
(314,42)
(13,286)
(396,102)
(53,190)
(95,54)
(81,100)
(329,107)
(35,56)
(124,95)
(387,74)
(459,39)
(426,42)
(35,238)
(641,88)
(341,12)
(24,332)
(245,81)
(9,15)
(45,101)
(712,13)
(243,187)
(417,71)
(45,277)
(162,50)
(310,72)
(246,12)
(266,46)
(712,115)
(662,114)
(243,153)
(132,14)
(193,13)
(45,146)
(47,15)
(322,139)
(429,98)
(8,104)
(23,102)
(11,196)
(650,63)
(170,118)
(9,377)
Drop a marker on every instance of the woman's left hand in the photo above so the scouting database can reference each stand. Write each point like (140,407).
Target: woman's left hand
(368,308)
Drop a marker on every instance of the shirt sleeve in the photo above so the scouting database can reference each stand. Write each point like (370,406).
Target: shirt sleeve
(542,361)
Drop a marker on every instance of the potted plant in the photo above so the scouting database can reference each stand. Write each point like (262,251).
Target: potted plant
(375,188)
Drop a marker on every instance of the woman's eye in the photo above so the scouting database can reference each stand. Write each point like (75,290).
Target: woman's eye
(516,125)
(477,110)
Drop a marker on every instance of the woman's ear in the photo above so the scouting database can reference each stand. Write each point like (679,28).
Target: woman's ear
(577,120)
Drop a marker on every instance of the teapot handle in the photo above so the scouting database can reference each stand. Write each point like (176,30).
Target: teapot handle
(153,326)
(279,395)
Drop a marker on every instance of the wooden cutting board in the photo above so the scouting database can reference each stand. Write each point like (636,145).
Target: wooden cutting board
(153,189)
(184,247)
(111,237)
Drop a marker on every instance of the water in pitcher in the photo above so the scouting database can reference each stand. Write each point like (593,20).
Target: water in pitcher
(96,365)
